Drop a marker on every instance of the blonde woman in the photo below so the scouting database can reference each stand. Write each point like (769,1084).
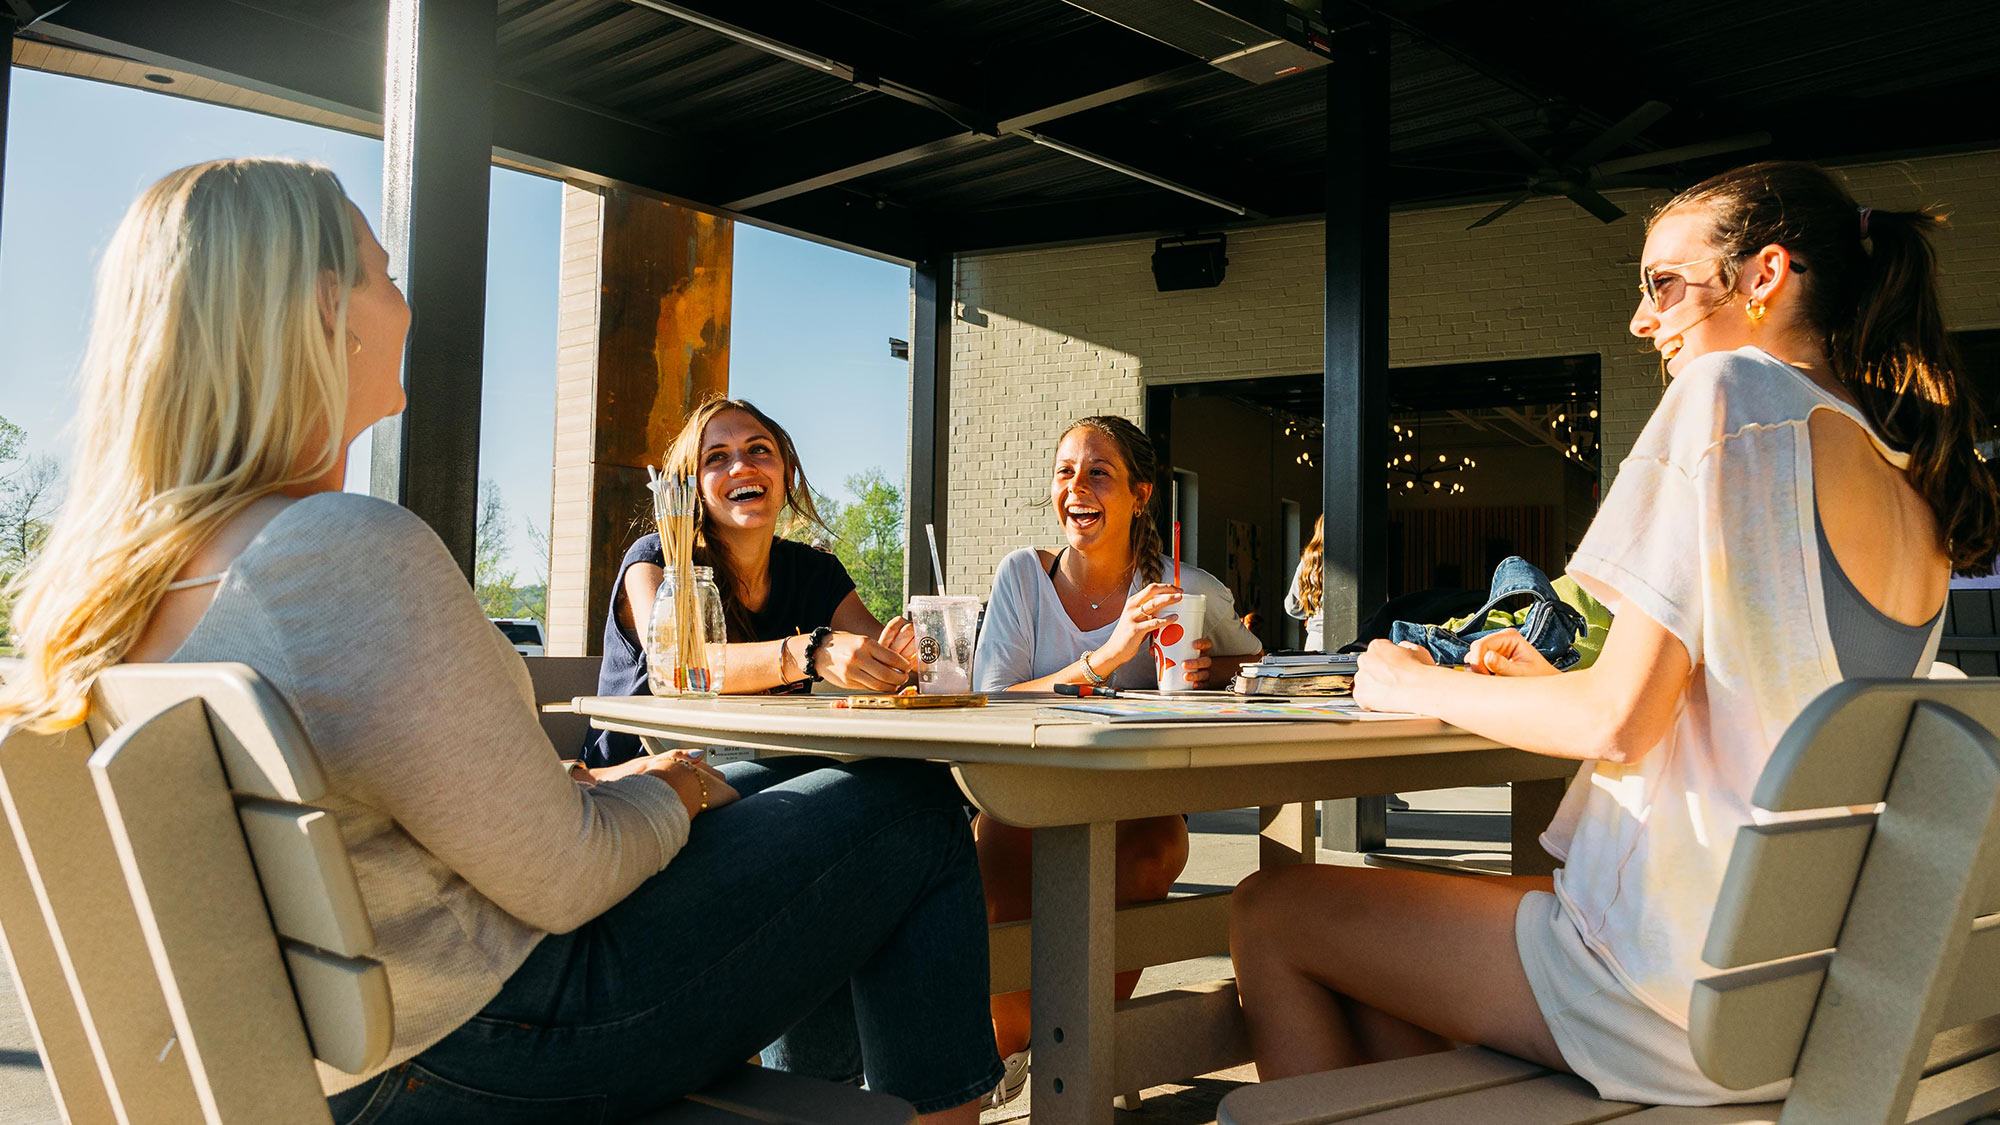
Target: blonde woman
(1303,601)
(548,961)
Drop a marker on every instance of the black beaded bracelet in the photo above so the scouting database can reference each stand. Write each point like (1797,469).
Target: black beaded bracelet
(819,637)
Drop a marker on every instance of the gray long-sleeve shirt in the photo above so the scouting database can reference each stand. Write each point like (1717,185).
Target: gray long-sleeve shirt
(469,842)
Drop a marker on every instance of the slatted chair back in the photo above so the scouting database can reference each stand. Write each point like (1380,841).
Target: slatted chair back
(41,965)
(252,918)
(1848,937)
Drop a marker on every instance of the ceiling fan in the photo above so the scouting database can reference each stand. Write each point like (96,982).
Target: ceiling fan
(1584,172)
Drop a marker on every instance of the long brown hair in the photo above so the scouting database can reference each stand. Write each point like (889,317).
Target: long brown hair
(684,459)
(1312,569)
(1142,466)
(1869,292)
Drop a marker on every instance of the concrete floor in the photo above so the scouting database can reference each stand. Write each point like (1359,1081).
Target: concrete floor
(1470,823)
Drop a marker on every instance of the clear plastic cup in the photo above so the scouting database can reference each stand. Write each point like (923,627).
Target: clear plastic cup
(947,627)
(1175,644)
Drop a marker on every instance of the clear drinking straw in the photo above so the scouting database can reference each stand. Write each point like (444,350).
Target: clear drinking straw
(937,568)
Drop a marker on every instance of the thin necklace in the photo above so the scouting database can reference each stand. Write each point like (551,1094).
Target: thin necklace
(1078,587)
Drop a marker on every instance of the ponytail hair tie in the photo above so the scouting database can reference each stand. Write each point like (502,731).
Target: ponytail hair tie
(1865,212)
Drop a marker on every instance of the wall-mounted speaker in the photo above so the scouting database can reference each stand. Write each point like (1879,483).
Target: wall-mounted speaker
(1189,263)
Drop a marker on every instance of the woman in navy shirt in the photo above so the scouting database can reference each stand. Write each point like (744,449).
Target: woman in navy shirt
(791,610)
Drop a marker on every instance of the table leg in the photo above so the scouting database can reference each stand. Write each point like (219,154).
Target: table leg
(1072,949)
(1534,805)
(1357,824)
(1285,835)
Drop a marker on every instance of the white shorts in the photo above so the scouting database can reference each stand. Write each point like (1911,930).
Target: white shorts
(1609,1037)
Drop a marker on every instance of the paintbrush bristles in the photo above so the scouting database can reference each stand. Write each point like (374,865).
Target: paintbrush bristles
(677,512)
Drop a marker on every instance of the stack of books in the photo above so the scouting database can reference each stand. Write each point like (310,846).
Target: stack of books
(1297,673)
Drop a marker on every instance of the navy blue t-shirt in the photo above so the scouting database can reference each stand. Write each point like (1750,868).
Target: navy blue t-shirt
(807,585)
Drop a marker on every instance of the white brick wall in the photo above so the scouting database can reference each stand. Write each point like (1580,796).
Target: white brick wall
(1045,336)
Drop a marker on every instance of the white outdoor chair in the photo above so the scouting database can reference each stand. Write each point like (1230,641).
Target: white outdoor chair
(1843,944)
(206,934)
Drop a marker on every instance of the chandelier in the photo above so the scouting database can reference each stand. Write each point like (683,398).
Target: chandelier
(1412,471)
(1575,428)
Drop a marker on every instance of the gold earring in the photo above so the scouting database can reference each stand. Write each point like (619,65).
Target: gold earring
(353,344)
(1755,308)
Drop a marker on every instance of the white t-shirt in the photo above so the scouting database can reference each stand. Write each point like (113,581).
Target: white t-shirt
(1295,606)
(1708,532)
(1028,634)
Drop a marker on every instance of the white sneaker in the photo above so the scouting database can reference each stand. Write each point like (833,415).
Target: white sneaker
(1012,1081)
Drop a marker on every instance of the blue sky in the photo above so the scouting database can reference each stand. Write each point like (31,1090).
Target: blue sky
(809,332)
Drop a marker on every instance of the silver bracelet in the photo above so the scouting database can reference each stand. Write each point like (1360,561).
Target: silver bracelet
(1091,673)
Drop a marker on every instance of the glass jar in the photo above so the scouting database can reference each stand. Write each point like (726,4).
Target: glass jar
(692,665)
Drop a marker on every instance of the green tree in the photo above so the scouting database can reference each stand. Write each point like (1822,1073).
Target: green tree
(492,578)
(868,539)
(30,490)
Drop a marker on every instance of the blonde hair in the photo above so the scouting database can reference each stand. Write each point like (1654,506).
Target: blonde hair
(683,459)
(209,381)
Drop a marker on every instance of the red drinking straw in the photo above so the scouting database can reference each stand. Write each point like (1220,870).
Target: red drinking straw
(1177,553)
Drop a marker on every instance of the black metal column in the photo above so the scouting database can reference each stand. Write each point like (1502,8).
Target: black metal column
(930,417)
(1354,474)
(437,157)
(1354,471)
(8,24)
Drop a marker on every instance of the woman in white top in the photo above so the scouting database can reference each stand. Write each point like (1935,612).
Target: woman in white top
(1805,341)
(1303,600)
(1085,614)
(562,944)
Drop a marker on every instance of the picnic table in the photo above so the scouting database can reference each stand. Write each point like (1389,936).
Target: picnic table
(1070,780)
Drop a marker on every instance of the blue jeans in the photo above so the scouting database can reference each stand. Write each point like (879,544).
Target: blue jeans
(835,910)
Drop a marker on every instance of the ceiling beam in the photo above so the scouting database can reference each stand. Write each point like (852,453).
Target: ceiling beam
(308,63)
(832,42)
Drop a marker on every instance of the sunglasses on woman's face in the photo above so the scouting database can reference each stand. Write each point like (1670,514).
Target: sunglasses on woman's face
(1663,287)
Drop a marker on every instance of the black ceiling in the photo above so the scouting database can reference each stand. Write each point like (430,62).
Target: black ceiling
(927,146)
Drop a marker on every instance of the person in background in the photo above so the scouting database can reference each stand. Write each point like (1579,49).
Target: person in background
(562,944)
(1303,600)
(1806,344)
(1085,614)
(790,610)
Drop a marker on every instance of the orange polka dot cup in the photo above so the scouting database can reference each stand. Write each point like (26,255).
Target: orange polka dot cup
(1174,645)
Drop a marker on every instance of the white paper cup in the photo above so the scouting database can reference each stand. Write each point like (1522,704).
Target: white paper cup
(946,628)
(1174,645)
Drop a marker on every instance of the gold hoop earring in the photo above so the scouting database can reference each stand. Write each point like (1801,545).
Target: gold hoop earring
(1755,308)
(353,344)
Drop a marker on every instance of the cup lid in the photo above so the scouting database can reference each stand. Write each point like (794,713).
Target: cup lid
(941,600)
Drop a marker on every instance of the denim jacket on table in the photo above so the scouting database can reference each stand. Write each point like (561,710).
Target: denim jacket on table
(1551,625)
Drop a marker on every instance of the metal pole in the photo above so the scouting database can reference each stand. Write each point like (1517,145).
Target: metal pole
(1357,330)
(930,417)
(8,24)
(1353,470)
(437,159)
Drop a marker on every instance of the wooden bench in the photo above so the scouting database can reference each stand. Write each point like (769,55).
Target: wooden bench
(185,927)
(1843,943)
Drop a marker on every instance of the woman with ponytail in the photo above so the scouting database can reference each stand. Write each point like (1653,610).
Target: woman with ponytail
(563,944)
(1789,518)
(1086,614)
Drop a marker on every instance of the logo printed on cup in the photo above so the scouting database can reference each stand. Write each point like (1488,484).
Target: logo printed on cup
(927,649)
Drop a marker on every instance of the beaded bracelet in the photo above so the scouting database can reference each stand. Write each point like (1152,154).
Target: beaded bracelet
(1095,679)
(819,637)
